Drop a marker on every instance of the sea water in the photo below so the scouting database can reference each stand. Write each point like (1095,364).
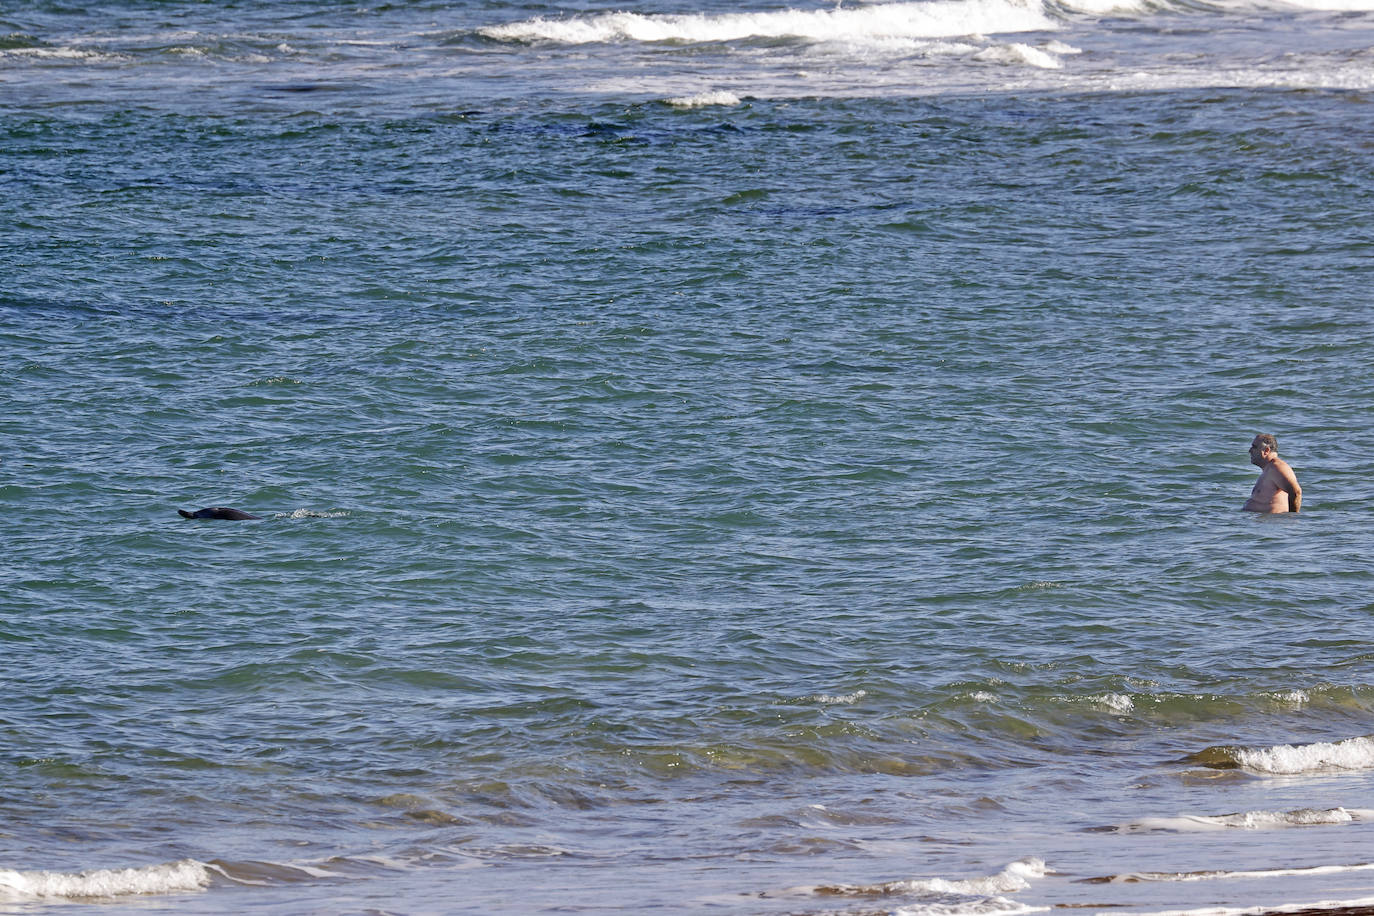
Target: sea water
(765,458)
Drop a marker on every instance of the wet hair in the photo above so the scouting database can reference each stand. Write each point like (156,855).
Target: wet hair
(1266,440)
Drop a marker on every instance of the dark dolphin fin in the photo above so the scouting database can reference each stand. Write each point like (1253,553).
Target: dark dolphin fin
(219,512)
(236,515)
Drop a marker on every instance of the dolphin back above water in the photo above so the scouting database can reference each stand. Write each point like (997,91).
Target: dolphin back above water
(219,512)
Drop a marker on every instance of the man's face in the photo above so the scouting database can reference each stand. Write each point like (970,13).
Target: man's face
(1259,453)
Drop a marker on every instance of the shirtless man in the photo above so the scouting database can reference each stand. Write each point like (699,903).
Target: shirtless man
(1277,489)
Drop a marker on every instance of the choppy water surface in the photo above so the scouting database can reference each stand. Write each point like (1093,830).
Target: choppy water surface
(776,463)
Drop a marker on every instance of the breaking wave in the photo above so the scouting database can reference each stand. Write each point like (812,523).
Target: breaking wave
(172,877)
(1134,877)
(883,22)
(1246,820)
(1291,760)
(705,100)
(1015,877)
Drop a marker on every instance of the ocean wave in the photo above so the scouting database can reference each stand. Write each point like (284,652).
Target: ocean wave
(127,48)
(1290,697)
(844,699)
(991,906)
(1114,702)
(1103,7)
(705,100)
(1017,53)
(1094,8)
(1334,907)
(1190,876)
(172,877)
(1015,877)
(1334,6)
(265,873)
(1247,820)
(1291,760)
(62,53)
(881,22)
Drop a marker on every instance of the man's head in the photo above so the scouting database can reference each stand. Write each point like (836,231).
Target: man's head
(1263,449)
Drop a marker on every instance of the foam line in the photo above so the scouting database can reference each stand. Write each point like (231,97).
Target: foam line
(1015,877)
(172,877)
(1134,877)
(1246,820)
(878,23)
(1333,905)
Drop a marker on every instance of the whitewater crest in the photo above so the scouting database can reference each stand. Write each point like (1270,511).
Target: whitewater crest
(1192,876)
(1292,760)
(1245,820)
(1018,53)
(991,906)
(844,699)
(1015,877)
(705,100)
(171,877)
(876,23)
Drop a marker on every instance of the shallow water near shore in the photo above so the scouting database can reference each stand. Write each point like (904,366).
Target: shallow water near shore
(784,463)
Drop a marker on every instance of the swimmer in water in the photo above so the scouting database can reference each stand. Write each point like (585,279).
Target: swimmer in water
(1277,489)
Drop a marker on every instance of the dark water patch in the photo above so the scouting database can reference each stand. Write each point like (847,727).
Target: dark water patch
(301,87)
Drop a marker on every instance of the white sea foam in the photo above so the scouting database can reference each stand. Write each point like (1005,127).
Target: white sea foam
(1316,870)
(1247,820)
(988,906)
(1323,757)
(1038,584)
(1118,703)
(933,19)
(62,53)
(1106,7)
(1292,697)
(840,700)
(172,877)
(1015,877)
(1258,910)
(311,513)
(1335,6)
(167,37)
(1115,702)
(1017,53)
(705,100)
